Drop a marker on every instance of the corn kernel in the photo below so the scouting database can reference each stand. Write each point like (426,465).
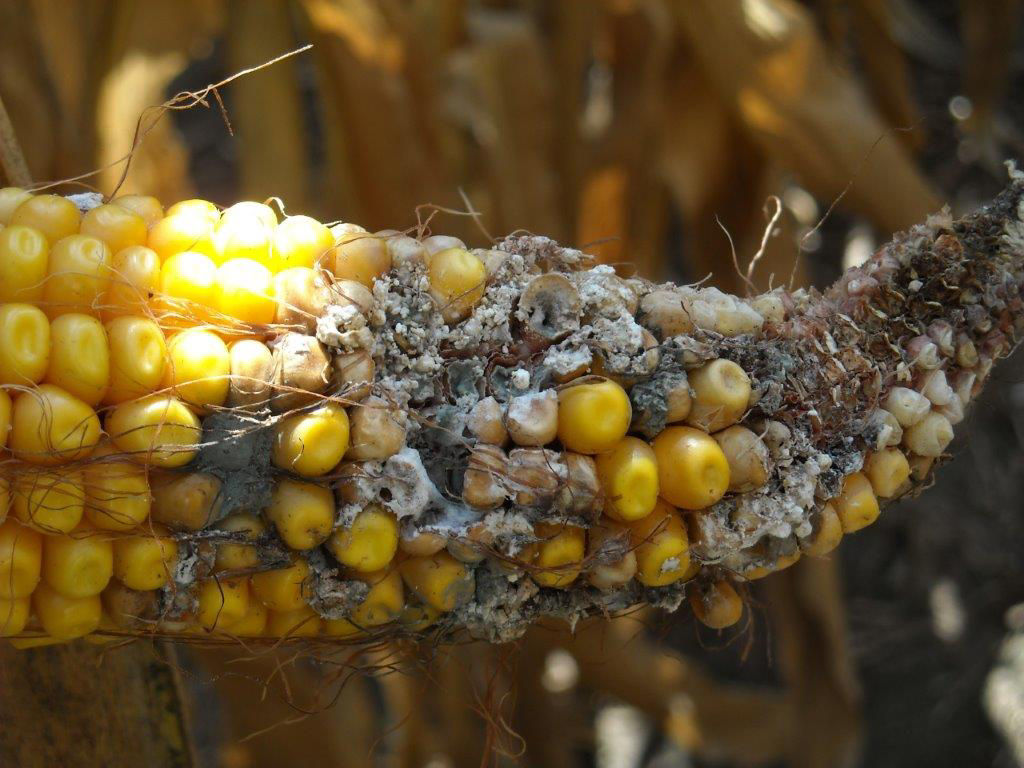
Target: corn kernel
(283,589)
(472,547)
(420,543)
(138,358)
(156,430)
(628,474)
(458,280)
(145,561)
(13,616)
(485,422)
(532,419)
(79,564)
(135,280)
(856,504)
(302,370)
(10,199)
(721,392)
(6,407)
(24,256)
(55,216)
(361,257)
(252,371)
(383,603)
(79,357)
(49,502)
(593,418)
(21,558)
(144,206)
(377,432)
(181,233)
(77,275)
(782,562)
(65,618)
(748,458)
(930,436)
(678,401)
(340,628)
(128,608)
(247,210)
(369,543)
(613,560)
(826,534)
(302,622)
(200,368)
(301,297)
(483,484)
(313,442)
(245,291)
(234,555)
(441,581)
(417,616)
(693,471)
(254,623)
(719,606)
(301,241)
(303,513)
(24,344)
(116,226)
(222,603)
(189,501)
(50,426)
(195,207)
(559,557)
(661,546)
(244,236)
(188,284)
(887,470)
(907,405)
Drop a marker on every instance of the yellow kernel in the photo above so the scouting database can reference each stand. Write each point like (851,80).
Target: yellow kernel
(661,546)
(303,513)
(440,581)
(361,257)
(65,618)
(243,235)
(628,474)
(826,534)
(189,501)
(458,280)
(887,470)
(116,226)
(24,344)
(117,492)
(313,442)
(249,209)
(222,603)
(79,564)
(149,208)
(77,275)
(421,543)
(252,369)
(593,418)
(748,457)
(10,199)
(611,554)
(302,622)
(55,216)
(138,358)
(50,426)
(199,368)
(721,392)
(49,502)
(134,281)
(301,241)
(5,419)
(340,628)
(383,603)
(21,558)
(236,556)
(254,623)
(79,357)
(156,430)
(24,256)
(417,616)
(559,558)
(188,287)
(782,562)
(369,543)
(856,504)
(692,469)
(182,233)
(145,561)
(203,209)
(245,291)
(719,606)
(283,589)
(13,615)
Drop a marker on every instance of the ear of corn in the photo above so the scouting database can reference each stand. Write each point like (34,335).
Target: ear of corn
(223,424)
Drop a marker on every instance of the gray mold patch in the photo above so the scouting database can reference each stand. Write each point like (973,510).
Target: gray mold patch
(237,450)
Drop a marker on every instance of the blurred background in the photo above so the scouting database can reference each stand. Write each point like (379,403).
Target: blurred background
(641,130)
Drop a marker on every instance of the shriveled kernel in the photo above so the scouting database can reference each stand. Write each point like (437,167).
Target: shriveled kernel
(245,291)
(485,422)
(21,558)
(79,564)
(613,561)
(749,461)
(77,275)
(254,623)
(199,368)
(189,501)
(887,470)
(302,622)
(301,296)
(458,280)
(717,606)
(369,543)
(53,215)
(559,558)
(145,560)
(302,513)
(222,603)
(79,357)
(312,443)
(158,430)
(283,589)
(10,199)
(693,471)
(301,241)
(581,494)
(354,374)
(182,233)
(302,370)
(930,436)
(440,581)
(532,420)
(24,256)
(377,430)
(360,256)
(50,426)
(239,555)
(483,484)
(721,394)
(138,358)
(188,287)
(593,418)
(907,405)
(252,370)
(628,474)
(662,311)
(826,534)
(65,618)
(116,226)
(24,344)
(145,206)
(14,616)
(50,502)
(534,476)
(856,504)
(134,281)
(661,545)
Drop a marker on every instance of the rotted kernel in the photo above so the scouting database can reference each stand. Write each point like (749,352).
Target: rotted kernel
(485,422)
(581,494)
(887,471)
(678,401)
(458,280)
(856,503)
(440,581)
(748,458)
(693,470)
(920,466)
(907,405)
(721,394)
(354,374)
(826,533)
(781,563)
(377,430)
(127,608)
(610,552)
(252,371)
(302,513)
(593,418)
(383,603)
(662,311)
(24,256)
(369,543)
(53,215)
(534,476)
(661,545)
(301,296)
(930,436)
(532,420)
(138,358)
(472,547)
(628,475)
(312,443)
(158,430)
(188,501)
(420,543)
(50,426)
(559,554)
(717,606)
(483,485)
(302,371)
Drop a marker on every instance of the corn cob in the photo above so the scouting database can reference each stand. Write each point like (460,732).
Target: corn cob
(221,425)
